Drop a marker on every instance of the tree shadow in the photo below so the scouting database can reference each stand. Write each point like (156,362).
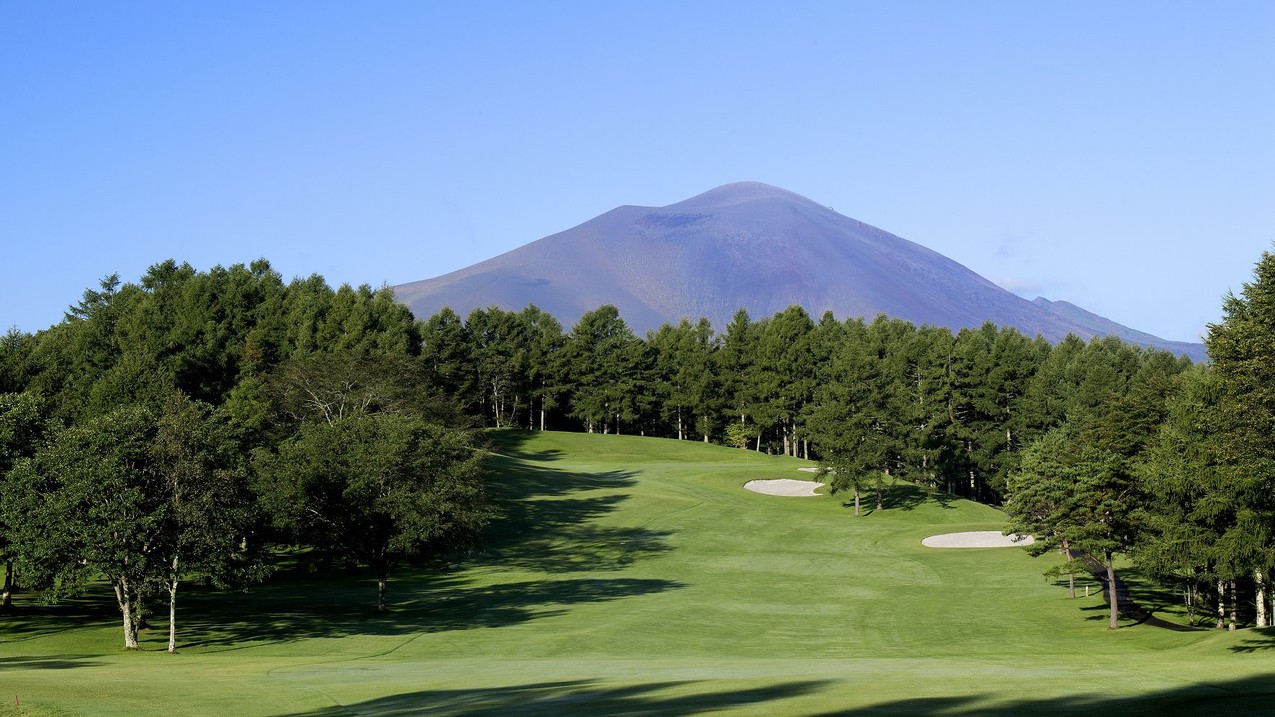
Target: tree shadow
(422,603)
(546,522)
(1248,695)
(1138,603)
(31,619)
(902,495)
(587,697)
(907,496)
(48,662)
(1264,640)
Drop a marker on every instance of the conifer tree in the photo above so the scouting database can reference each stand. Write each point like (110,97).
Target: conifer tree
(1242,350)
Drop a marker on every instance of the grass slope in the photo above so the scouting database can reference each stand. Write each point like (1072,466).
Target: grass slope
(635,576)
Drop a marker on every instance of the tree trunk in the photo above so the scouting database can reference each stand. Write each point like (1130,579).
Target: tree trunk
(1221,604)
(1231,627)
(382,577)
(6,602)
(172,610)
(126,611)
(1071,577)
(1113,612)
(542,414)
(856,502)
(759,440)
(1259,582)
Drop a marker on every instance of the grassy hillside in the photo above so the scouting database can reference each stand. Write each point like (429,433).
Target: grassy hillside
(635,576)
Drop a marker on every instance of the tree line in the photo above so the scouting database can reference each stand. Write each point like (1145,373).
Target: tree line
(232,385)
(187,426)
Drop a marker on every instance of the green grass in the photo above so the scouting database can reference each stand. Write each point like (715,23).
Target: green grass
(635,576)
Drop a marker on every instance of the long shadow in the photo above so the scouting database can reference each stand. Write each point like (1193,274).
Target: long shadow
(902,495)
(1141,611)
(48,662)
(31,619)
(546,523)
(584,697)
(1248,695)
(1264,640)
(424,603)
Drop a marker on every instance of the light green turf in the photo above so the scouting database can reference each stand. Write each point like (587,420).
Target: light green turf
(636,576)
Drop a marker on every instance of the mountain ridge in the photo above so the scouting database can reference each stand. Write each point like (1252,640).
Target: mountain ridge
(754,246)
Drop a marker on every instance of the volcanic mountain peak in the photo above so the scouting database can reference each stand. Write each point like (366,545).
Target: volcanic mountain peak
(739,193)
(753,246)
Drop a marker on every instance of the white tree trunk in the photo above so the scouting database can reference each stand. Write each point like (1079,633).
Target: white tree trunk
(1221,604)
(6,601)
(1231,627)
(126,611)
(1259,580)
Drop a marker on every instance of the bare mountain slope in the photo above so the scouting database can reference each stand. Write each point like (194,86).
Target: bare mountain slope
(746,245)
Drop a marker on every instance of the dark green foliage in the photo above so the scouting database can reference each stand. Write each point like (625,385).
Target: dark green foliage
(1187,507)
(607,367)
(1242,348)
(1075,497)
(684,377)
(23,425)
(89,502)
(377,488)
(342,393)
(851,424)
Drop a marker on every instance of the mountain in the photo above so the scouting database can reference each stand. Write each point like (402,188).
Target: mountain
(753,246)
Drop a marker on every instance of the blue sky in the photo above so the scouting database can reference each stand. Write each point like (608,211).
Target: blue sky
(1116,155)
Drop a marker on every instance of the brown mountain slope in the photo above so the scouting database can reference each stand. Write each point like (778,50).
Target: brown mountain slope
(746,245)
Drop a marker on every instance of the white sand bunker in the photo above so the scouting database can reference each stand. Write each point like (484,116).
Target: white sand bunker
(784,486)
(977,539)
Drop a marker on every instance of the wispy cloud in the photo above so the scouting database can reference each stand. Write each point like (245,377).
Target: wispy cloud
(1027,288)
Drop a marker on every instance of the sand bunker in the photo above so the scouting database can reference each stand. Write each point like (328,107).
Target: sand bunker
(786,487)
(977,539)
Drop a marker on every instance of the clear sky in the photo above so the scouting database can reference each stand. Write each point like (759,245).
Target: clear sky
(1117,155)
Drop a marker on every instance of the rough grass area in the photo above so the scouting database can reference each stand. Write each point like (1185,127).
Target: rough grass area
(634,576)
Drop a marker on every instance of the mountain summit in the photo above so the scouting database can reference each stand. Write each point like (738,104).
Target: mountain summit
(753,246)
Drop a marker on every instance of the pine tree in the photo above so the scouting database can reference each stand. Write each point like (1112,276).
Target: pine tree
(1242,349)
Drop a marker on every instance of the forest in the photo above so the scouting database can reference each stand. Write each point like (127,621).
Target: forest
(194,425)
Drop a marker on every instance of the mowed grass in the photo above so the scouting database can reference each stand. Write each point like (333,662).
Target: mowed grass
(635,576)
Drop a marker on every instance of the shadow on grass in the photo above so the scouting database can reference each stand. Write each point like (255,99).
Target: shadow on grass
(901,496)
(31,619)
(547,517)
(585,697)
(546,528)
(48,662)
(1137,599)
(1249,695)
(423,603)
(1264,640)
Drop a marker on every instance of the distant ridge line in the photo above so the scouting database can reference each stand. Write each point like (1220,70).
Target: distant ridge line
(754,246)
